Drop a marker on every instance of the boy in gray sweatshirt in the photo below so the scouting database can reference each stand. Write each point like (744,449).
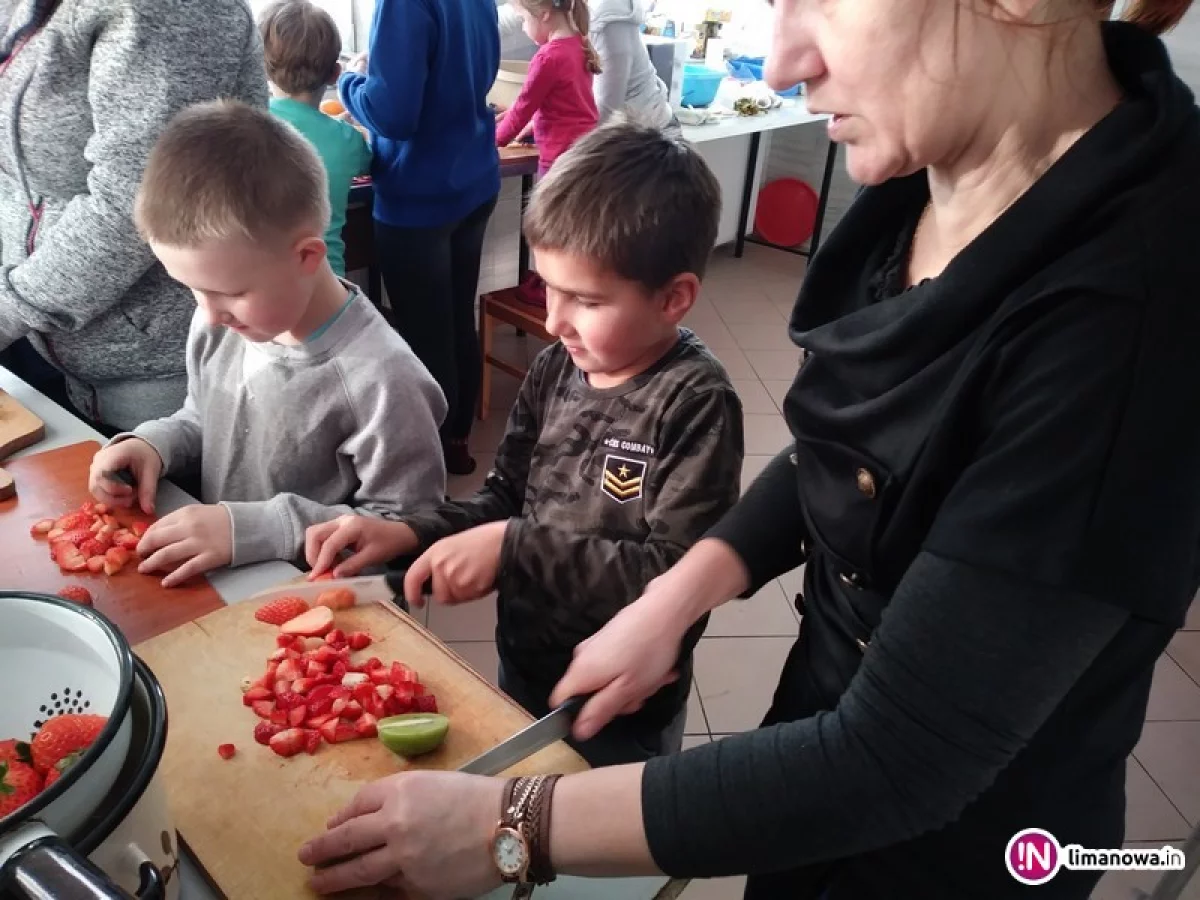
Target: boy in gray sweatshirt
(303,404)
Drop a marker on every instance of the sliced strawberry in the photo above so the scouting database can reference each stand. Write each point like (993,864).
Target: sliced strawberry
(314,669)
(362,692)
(297,715)
(354,679)
(264,709)
(256,694)
(289,742)
(115,559)
(311,644)
(76,593)
(325,655)
(385,691)
(372,664)
(426,703)
(280,610)
(41,528)
(352,711)
(89,507)
(312,740)
(92,547)
(341,598)
(320,700)
(226,751)
(101,509)
(284,698)
(289,670)
(110,519)
(375,706)
(366,726)
(335,636)
(73,562)
(95,564)
(279,717)
(318,721)
(124,538)
(278,656)
(314,623)
(359,640)
(339,706)
(303,685)
(74,520)
(139,528)
(337,732)
(401,673)
(283,640)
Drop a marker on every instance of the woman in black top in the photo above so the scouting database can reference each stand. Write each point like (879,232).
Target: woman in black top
(995,482)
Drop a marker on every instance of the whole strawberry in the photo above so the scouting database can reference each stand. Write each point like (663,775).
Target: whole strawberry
(63,736)
(15,751)
(19,784)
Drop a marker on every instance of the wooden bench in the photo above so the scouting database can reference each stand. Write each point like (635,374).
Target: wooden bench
(505,306)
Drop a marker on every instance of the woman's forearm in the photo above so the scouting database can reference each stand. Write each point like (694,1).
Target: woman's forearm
(596,824)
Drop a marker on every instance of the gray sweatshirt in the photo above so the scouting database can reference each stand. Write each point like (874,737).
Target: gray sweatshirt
(629,82)
(288,436)
(81,104)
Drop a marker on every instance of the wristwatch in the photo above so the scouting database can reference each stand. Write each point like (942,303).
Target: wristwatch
(520,843)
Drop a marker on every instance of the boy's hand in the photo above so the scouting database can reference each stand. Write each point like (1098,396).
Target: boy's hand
(137,456)
(374,541)
(188,542)
(463,567)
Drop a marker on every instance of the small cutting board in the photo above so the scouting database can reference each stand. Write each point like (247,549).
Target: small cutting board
(52,483)
(19,428)
(245,818)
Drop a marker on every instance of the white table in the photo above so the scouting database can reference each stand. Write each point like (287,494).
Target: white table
(731,147)
(235,585)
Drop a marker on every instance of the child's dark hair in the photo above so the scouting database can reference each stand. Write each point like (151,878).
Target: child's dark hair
(640,204)
(300,46)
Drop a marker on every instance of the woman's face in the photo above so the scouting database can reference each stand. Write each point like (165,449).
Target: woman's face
(887,71)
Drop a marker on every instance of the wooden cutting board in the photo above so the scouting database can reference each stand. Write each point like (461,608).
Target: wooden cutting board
(245,818)
(55,482)
(19,428)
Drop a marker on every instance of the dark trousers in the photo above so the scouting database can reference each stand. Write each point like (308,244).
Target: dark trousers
(23,360)
(431,276)
(624,740)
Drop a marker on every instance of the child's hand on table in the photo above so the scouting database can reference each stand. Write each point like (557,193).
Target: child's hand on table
(188,542)
(374,541)
(141,459)
(462,567)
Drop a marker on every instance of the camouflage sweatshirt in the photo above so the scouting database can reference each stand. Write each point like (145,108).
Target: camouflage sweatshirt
(604,490)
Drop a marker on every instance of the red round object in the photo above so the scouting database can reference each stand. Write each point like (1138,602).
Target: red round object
(787,212)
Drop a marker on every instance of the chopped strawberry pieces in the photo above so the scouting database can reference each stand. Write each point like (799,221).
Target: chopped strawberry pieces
(359,640)
(264,731)
(289,742)
(226,751)
(76,593)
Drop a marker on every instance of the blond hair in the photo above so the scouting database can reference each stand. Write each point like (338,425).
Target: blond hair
(300,46)
(224,170)
(577,14)
(631,200)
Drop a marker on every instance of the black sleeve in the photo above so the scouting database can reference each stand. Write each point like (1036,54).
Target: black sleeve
(946,696)
(766,526)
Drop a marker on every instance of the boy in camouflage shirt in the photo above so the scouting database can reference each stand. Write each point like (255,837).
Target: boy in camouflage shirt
(624,446)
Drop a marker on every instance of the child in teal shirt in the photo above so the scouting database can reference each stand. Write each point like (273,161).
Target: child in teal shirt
(301,47)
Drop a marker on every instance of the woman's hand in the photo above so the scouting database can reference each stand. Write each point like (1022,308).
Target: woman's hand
(635,654)
(374,541)
(423,832)
(357,64)
(188,542)
(139,458)
(462,567)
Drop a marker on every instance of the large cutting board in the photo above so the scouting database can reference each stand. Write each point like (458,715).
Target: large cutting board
(245,818)
(19,428)
(55,482)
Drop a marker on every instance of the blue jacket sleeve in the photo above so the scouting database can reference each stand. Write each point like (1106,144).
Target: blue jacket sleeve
(387,100)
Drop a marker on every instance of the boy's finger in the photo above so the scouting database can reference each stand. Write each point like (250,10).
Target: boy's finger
(314,538)
(356,562)
(197,565)
(414,581)
(327,549)
(168,558)
(146,490)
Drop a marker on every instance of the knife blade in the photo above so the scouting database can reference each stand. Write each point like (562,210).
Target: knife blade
(529,740)
(387,590)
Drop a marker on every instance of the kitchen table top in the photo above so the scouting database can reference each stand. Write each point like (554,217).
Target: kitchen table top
(789,115)
(235,585)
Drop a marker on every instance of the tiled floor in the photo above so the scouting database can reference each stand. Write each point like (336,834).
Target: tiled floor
(742,316)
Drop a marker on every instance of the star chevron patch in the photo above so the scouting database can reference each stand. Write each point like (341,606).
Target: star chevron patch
(623,478)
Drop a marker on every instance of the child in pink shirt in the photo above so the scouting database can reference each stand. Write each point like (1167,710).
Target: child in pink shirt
(557,94)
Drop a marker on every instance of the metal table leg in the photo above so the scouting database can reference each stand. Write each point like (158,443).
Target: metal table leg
(823,199)
(747,193)
(523,255)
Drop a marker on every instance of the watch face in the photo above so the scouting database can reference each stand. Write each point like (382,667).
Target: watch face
(510,853)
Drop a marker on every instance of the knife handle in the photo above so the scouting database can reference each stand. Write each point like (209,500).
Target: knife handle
(125,476)
(395,582)
(572,705)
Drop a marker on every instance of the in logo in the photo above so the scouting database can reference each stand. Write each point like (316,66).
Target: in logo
(623,478)
(1033,856)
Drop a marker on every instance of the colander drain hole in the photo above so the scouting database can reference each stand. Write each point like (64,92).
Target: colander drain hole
(61,703)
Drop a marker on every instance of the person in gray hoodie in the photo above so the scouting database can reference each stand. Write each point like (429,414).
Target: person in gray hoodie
(628,81)
(85,88)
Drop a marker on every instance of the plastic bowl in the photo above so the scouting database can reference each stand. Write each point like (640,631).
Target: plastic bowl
(700,84)
(750,68)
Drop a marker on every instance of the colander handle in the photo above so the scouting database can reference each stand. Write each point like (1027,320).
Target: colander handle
(49,867)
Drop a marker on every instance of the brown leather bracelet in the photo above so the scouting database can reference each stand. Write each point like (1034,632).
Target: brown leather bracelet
(541,869)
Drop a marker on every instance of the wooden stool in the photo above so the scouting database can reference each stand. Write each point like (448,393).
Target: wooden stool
(505,306)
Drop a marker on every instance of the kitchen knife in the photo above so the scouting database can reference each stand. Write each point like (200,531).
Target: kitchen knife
(529,740)
(386,590)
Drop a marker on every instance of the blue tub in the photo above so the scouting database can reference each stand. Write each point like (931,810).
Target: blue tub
(700,84)
(750,68)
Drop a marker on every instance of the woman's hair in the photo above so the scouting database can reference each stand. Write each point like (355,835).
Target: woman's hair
(1156,16)
(577,14)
